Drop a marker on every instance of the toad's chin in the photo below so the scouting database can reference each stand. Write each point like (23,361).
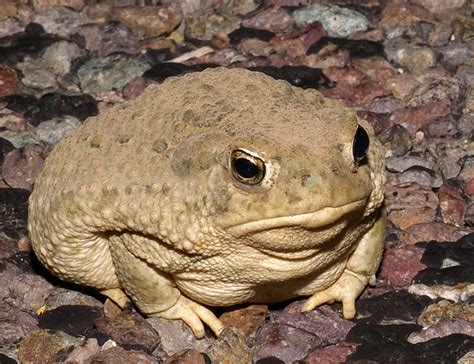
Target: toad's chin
(312,220)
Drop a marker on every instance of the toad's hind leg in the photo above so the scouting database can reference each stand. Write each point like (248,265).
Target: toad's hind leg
(155,293)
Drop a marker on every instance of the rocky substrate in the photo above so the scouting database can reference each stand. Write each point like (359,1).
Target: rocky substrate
(406,66)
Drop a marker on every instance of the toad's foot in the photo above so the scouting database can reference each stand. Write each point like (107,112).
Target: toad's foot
(346,289)
(118,296)
(193,314)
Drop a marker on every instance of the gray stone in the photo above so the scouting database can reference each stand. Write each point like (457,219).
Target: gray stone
(20,139)
(176,336)
(385,104)
(27,292)
(457,53)
(204,25)
(409,54)
(467,358)
(401,164)
(110,73)
(42,5)
(44,71)
(83,352)
(449,157)
(104,39)
(443,328)
(337,21)
(458,294)
(21,166)
(117,354)
(52,131)
(284,342)
(9,26)
(62,296)
(416,175)
(230,347)
(14,325)
(61,20)
(322,322)
(437,6)
(45,346)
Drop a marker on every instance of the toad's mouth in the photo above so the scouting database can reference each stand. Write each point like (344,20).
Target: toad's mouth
(311,220)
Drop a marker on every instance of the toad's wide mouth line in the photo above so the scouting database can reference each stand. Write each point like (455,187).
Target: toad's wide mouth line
(310,220)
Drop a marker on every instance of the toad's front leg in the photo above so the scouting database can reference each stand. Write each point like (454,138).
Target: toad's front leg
(155,293)
(359,271)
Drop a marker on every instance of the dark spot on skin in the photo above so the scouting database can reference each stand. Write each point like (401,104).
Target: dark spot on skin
(305,176)
(189,116)
(165,188)
(207,87)
(182,167)
(159,146)
(221,199)
(124,139)
(95,142)
(250,87)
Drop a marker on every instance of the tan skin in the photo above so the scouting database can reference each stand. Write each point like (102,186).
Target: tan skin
(214,189)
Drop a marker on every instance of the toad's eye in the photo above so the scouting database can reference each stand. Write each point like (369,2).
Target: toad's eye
(247,168)
(360,144)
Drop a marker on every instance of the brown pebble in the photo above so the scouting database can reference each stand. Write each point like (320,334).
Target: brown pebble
(24,244)
(246,319)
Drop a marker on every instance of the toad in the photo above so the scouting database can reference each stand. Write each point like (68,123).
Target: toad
(213,189)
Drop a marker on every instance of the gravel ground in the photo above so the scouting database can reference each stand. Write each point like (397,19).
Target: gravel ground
(406,66)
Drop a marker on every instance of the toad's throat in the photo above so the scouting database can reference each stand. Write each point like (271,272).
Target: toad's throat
(312,220)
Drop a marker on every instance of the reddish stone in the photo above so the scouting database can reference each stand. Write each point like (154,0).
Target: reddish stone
(129,328)
(22,166)
(8,8)
(8,80)
(400,265)
(288,2)
(322,322)
(402,86)
(413,118)
(247,319)
(273,19)
(436,231)
(377,68)
(188,356)
(353,86)
(400,14)
(82,353)
(332,354)
(327,57)
(297,43)
(118,354)
(149,20)
(43,5)
(452,205)
(135,87)
(469,188)
(403,219)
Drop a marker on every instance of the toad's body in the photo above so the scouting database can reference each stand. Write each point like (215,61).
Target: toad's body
(215,188)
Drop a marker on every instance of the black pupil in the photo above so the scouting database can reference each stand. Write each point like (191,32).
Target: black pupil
(245,168)
(361,144)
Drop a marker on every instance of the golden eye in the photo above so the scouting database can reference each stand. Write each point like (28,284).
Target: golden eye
(247,168)
(360,145)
